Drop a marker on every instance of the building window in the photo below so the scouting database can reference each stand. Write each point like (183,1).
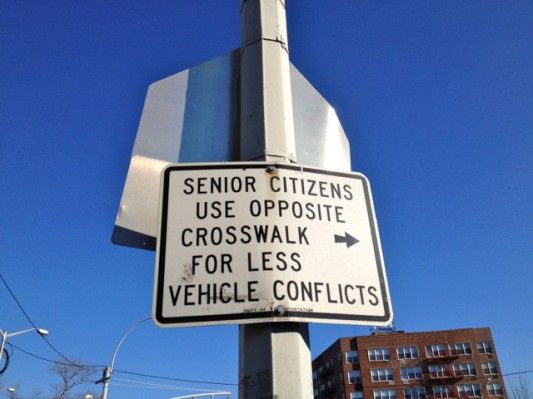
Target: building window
(411,373)
(315,375)
(441,392)
(381,375)
(435,350)
(354,377)
(352,357)
(357,395)
(464,369)
(414,393)
(322,388)
(407,352)
(473,390)
(462,348)
(484,347)
(494,389)
(377,354)
(489,368)
(384,393)
(437,370)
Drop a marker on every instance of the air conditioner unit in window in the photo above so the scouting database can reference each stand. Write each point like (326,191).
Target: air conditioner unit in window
(391,382)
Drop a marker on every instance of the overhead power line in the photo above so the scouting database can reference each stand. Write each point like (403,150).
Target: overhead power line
(92,366)
(207,382)
(205,392)
(42,336)
(517,373)
(159,386)
(175,379)
(133,385)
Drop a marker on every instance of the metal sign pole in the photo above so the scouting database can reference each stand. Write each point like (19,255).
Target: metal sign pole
(274,358)
(223,199)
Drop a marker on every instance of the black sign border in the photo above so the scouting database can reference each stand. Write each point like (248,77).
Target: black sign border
(232,317)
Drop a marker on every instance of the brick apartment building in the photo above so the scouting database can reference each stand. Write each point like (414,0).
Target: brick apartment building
(421,365)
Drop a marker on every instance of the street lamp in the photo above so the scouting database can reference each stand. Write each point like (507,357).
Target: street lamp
(10,390)
(5,335)
(109,370)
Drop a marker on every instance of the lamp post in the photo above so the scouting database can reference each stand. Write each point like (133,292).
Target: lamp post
(5,335)
(108,371)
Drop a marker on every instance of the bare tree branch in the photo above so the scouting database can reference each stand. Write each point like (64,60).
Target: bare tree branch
(71,375)
(520,388)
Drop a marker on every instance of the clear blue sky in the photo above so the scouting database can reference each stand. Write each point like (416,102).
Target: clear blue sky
(435,96)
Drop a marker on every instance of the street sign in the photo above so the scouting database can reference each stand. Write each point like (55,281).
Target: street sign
(262,242)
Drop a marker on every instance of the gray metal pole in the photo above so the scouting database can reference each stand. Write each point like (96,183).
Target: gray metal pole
(274,358)
(3,343)
(105,380)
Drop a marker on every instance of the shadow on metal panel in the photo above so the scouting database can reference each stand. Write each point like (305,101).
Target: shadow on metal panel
(193,116)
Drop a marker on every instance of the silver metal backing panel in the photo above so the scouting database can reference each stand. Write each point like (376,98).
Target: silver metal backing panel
(193,116)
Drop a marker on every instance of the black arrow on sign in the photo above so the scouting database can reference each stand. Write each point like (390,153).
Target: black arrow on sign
(347,238)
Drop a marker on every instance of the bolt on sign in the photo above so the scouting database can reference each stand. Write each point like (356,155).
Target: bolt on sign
(262,242)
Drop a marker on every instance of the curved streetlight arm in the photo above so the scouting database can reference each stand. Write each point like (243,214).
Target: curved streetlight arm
(40,331)
(4,335)
(109,370)
(133,327)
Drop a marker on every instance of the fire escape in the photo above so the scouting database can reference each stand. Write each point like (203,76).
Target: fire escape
(324,374)
(438,370)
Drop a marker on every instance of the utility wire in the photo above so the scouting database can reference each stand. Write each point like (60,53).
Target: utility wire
(42,336)
(13,346)
(174,379)
(518,372)
(70,363)
(133,385)
(210,393)
(162,386)
(130,385)
(124,371)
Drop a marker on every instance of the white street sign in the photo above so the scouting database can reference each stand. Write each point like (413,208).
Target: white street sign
(262,242)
